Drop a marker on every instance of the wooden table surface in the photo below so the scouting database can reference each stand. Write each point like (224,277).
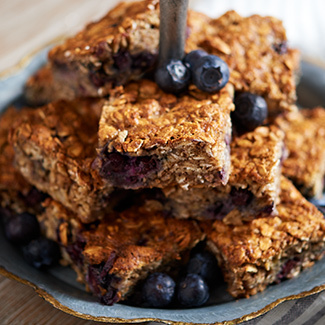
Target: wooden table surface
(20,305)
(28,25)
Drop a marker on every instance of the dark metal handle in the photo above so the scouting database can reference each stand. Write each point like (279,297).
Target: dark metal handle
(173,15)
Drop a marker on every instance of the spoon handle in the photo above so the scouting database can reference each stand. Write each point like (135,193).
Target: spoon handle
(173,15)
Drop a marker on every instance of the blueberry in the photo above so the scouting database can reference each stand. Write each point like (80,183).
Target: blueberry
(210,73)
(41,252)
(158,290)
(250,112)
(173,77)
(192,57)
(22,228)
(192,291)
(205,265)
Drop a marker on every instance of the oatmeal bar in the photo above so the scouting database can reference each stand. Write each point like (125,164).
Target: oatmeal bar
(253,185)
(120,47)
(16,193)
(42,88)
(124,44)
(148,138)
(268,250)
(54,150)
(305,141)
(258,56)
(111,258)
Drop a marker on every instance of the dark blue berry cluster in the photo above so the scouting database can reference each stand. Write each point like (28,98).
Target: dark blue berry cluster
(192,289)
(208,72)
(23,230)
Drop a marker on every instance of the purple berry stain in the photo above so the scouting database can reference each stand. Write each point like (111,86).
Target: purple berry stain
(126,171)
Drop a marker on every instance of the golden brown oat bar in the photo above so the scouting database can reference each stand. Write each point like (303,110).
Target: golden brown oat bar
(253,185)
(267,250)
(305,141)
(258,56)
(42,88)
(120,47)
(148,138)
(124,44)
(54,150)
(111,258)
(16,193)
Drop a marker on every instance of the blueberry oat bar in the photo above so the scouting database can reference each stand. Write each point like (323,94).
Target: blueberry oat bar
(16,193)
(253,186)
(257,53)
(123,45)
(148,138)
(54,150)
(42,88)
(305,141)
(268,250)
(120,47)
(111,257)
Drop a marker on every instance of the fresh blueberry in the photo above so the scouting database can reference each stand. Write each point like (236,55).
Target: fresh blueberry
(192,291)
(250,112)
(158,290)
(205,265)
(173,77)
(22,228)
(192,57)
(41,252)
(210,73)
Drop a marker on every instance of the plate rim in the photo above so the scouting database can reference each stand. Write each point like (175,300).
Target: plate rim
(117,320)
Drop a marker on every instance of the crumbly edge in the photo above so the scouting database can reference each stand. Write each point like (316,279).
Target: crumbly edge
(118,48)
(87,61)
(14,189)
(41,88)
(305,142)
(263,149)
(52,158)
(274,74)
(188,134)
(132,266)
(255,166)
(251,254)
(248,280)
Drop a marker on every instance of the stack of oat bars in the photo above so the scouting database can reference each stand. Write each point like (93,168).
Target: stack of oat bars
(128,179)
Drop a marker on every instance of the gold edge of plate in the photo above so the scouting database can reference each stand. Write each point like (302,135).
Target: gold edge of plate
(49,298)
(22,63)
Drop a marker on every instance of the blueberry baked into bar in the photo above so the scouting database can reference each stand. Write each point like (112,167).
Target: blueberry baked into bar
(305,142)
(148,138)
(268,250)
(120,47)
(54,150)
(254,182)
(123,45)
(113,256)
